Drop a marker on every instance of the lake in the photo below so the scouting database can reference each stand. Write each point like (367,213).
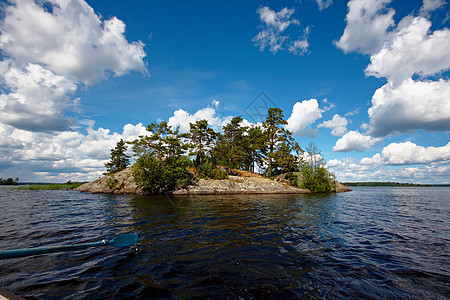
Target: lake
(373,243)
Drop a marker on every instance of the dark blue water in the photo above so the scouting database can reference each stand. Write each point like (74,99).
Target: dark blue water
(378,243)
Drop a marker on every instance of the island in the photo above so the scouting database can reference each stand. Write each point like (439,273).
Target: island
(242,159)
(242,183)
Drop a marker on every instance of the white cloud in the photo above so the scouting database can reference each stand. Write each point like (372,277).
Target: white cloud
(338,125)
(182,118)
(354,141)
(367,24)
(347,170)
(390,165)
(303,115)
(399,54)
(430,5)
(409,153)
(412,50)
(62,155)
(411,105)
(272,35)
(323,4)
(37,98)
(47,53)
(71,40)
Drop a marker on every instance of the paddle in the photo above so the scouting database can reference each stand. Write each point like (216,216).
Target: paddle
(119,241)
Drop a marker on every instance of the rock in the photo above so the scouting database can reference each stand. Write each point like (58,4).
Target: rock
(340,188)
(239,185)
(122,183)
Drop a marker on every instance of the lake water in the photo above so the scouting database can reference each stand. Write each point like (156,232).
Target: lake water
(378,243)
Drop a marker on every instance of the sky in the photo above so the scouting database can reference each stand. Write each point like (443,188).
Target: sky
(366,80)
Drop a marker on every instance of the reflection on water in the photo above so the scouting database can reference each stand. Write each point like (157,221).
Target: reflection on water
(380,243)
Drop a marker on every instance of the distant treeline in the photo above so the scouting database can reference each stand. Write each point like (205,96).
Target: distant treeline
(393,184)
(8,181)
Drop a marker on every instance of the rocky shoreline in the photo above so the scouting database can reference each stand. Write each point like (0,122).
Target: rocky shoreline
(124,184)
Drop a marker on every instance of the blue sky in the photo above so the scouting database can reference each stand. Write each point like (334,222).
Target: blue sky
(366,80)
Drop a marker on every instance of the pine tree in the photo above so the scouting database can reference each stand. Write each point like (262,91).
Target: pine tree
(162,142)
(202,138)
(233,138)
(119,160)
(254,147)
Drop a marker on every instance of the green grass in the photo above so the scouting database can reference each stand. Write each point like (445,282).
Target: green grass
(51,186)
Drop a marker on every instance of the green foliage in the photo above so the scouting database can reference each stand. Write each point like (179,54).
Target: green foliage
(112,182)
(209,170)
(233,141)
(316,177)
(293,180)
(9,181)
(119,160)
(279,142)
(155,176)
(51,186)
(163,141)
(254,148)
(202,138)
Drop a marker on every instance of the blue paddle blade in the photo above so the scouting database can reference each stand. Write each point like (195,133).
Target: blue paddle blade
(124,240)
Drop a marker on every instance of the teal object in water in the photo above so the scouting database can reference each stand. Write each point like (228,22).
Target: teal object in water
(119,241)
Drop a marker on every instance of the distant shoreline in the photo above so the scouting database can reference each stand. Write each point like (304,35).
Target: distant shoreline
(392,184)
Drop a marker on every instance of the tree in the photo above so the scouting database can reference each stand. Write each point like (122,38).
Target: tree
(233,141)
(285,161)
(162,142)
(160,176)
(9,181)
(316,177)
(119,160)
(277,139)
(202,138)
(254,147)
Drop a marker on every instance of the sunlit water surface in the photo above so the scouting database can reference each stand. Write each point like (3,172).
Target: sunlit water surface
(369,243)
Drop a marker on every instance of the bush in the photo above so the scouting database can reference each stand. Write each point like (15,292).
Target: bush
(156,177)
(208,170)
(112,182)
(316,176)
(293,180)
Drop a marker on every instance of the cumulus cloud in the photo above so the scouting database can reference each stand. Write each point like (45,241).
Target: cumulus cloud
(412,50)
(71,40)
(182,118)
(338,125)
(409,153)
(355,141)
(367,24)
(37,98)
(48,52)
(411,105)
(66,155)
(273,33)
(303,115)
(400,54)
(347,170)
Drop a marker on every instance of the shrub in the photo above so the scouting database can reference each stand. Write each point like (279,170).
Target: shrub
(112,182)
(208,170)
(293,180)
(316,177)
(155,176)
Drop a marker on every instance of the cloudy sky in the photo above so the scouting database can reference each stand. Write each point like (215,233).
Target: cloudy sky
(366,80)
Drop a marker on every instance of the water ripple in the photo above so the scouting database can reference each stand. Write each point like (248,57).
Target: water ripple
(369,243)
